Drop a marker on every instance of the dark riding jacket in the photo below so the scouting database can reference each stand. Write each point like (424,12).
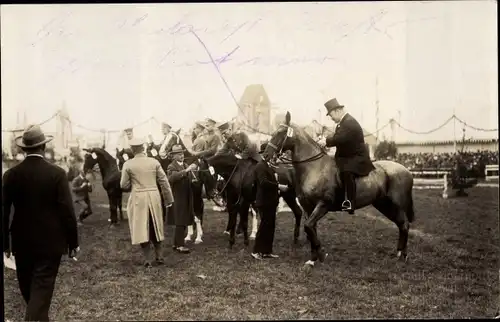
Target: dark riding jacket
(352,154)
(240,143)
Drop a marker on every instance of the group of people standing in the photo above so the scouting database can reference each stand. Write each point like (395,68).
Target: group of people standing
(44,226)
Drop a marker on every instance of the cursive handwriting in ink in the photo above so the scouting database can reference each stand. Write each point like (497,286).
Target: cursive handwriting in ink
(54,27)
(281,61)
(221,59)
(139,20)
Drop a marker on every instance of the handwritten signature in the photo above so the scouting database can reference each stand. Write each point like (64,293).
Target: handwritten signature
(54,27)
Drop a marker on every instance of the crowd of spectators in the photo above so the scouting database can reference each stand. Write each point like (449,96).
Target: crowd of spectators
(472,160)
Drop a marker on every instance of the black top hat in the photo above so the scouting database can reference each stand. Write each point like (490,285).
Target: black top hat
(32,137)
(224,127)
(332,105)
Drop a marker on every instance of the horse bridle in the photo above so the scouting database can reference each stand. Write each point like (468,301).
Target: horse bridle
(278,150)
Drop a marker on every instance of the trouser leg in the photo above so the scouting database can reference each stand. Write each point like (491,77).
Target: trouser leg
(179,234)
(42,288)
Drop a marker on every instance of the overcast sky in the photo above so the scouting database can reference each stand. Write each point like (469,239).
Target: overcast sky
(115,65)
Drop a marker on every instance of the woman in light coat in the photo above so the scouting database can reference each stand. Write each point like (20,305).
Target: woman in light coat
(142,176)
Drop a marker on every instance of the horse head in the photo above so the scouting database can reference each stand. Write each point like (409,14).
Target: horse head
(122,156)
(100,157)
(290,137)
(281,140)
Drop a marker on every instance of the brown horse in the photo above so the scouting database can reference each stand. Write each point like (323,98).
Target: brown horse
(388,188)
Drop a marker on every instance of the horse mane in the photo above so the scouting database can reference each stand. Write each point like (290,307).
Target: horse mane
(302,132)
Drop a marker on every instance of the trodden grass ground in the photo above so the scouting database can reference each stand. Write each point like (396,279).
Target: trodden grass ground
(452,270)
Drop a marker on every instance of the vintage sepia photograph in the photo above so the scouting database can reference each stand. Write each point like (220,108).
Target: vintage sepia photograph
(250,161)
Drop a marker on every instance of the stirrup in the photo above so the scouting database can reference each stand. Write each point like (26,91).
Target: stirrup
(346,205)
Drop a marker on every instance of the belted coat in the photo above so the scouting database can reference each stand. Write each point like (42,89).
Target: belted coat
(143,175)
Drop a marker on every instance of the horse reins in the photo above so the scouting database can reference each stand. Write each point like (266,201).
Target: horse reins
(289,161)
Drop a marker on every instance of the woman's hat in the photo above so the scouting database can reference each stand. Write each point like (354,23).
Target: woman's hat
(32,137)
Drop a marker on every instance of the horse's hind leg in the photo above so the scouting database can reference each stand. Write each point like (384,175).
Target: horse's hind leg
(397,215)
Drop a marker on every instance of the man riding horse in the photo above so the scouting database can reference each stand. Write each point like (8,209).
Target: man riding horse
(238,143)
(352,156)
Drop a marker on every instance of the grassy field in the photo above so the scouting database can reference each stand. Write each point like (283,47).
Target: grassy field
(452,270)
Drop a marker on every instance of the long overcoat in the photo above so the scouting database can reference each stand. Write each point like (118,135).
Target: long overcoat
(182,212)
(143,175)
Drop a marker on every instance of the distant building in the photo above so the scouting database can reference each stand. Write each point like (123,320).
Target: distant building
(254,109)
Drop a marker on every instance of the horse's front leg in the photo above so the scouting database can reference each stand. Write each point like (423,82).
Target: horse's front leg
(310,228)
(113,209)
(244,222)
(291,201)
(199,230)
(231,225)
(120,206)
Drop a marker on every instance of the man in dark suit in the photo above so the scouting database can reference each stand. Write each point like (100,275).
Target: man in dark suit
(43,225)
(181,214)
(266,202)
(352,156)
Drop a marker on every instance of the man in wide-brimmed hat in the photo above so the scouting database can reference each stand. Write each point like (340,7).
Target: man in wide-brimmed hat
(143,175)
(181,215)
(351,155)
(44,224)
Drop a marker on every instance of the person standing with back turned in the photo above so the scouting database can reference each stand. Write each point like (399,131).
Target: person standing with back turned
(142,176)
(43,225)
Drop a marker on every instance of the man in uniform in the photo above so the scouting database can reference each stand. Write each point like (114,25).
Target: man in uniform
(167,134)
(238,143)
(212,140)
(351,155)
(199,146)
(125,146)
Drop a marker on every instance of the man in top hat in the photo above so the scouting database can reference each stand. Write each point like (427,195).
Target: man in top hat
(142,176)
(181,215)
(351,155)
(238,143)
(43,226)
